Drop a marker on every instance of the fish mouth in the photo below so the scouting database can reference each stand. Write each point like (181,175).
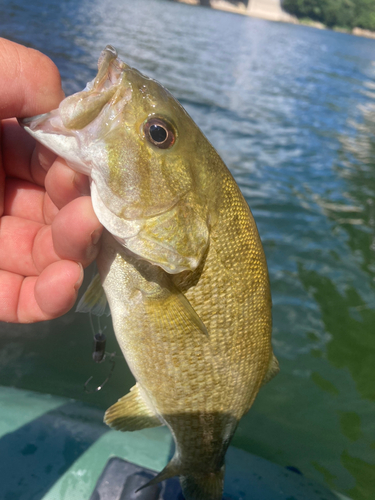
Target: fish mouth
(80,117)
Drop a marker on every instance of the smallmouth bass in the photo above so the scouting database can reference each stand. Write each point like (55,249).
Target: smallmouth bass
(181,265)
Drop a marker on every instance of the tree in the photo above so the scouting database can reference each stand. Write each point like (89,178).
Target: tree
(341,13)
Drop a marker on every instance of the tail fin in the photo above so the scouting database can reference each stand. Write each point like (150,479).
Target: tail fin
(205,486)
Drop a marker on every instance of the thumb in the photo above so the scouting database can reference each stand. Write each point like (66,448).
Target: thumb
(30,82)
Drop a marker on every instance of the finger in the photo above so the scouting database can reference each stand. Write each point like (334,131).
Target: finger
(27,201)
(10,286)
(43,252)
(16,245)
(28,247)
(2,188)
(22,156)
(50,210)
(17,150)
(44,157)
(76,231)
(41,161)
(31,299)
(2,180)
(30,82)
(64,184)
(56,288)
(24,200)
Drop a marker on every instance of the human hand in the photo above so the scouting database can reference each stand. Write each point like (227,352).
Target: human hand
(48,229)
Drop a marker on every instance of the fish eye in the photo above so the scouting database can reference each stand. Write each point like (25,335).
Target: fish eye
(159,132)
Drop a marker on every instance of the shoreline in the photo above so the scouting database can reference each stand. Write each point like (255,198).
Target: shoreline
(277,15)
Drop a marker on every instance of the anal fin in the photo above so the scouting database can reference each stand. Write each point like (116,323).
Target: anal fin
(131,413)
(273,370)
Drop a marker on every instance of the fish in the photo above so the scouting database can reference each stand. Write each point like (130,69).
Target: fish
(181,266)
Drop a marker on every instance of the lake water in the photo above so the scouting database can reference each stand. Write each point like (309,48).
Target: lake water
(291,111)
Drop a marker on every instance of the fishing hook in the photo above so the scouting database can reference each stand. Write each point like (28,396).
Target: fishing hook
(99,355)
(111,359)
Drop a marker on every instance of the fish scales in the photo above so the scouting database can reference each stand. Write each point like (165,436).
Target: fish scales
(181,264)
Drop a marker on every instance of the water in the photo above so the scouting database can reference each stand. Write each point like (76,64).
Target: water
(291,111)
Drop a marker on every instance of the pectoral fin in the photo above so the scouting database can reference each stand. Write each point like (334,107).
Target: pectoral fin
(182,307)
(131,413)
(94,299)
(175,310)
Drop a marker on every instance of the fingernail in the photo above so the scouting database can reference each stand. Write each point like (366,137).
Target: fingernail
(80,279)
(95,235)
(81,183)
(45,157)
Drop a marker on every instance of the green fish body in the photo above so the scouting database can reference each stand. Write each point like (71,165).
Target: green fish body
(181,265)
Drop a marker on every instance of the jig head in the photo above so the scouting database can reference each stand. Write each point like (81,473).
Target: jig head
(99,355)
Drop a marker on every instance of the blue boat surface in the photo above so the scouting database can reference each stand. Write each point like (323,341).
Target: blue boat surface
(53,448)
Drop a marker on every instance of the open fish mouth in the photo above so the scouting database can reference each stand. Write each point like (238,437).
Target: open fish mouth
(85,117)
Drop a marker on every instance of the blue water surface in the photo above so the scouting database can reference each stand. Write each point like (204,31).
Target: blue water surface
(291,111)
